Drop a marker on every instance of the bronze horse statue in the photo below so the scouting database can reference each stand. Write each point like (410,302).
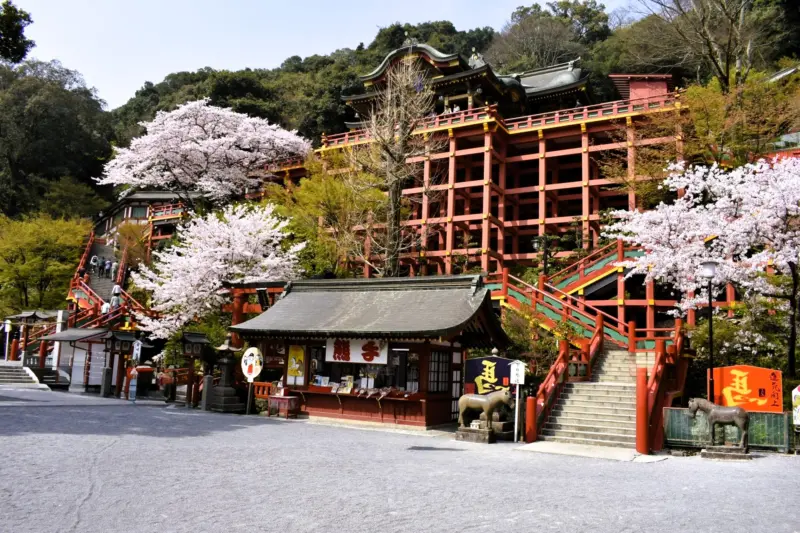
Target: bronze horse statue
(483,402)
(717,414)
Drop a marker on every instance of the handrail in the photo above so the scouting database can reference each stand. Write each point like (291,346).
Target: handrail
(119,278)
(538,120)
(166,210)
(620,326)
(83,260)
(584,261)
(605,109)
(106,318)
(80,284)
(133,303)
(550,385)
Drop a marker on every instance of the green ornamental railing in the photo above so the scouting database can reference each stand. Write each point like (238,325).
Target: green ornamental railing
(769,431)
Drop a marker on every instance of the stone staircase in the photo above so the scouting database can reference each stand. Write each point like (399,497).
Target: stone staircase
(15,376)
(601,412)
(102,286)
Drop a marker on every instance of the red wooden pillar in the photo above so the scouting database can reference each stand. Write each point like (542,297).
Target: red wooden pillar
(451,206)
(650,291)
(542,183)
(530,419)
(632,336)
(487,198)
(620,283)
(426,214)
(642,439)
(239,299)
(501,204)
(631,163)
(585,206)
(505,282)
(42,352)
(14,351)
(730,297)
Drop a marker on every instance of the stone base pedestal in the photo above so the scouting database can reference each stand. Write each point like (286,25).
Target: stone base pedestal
(483,436)
(105,382)
(726,453)
(503,430)
(208,389)
(225,400)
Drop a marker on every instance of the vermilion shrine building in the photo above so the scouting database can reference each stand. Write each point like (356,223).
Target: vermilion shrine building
(520,163)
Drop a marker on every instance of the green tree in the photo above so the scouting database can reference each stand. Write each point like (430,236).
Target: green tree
(14,46)
(69,198)
(51,125)
(326,210)
(38,255)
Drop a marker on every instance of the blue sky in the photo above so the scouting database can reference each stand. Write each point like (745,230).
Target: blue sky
(119,44)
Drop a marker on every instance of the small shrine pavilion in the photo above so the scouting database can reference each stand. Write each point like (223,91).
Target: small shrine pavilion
(385,350)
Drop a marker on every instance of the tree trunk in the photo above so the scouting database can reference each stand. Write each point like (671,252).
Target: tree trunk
(790,363)
(392,268)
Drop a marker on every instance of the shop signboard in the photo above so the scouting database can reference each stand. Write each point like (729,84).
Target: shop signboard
(488,374)
(137,352)
(252,362)
(796,405)
(750,387)
(364,351)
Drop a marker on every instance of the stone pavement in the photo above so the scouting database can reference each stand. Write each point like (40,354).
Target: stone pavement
(100,467)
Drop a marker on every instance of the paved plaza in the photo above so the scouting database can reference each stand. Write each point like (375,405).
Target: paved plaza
(82,464)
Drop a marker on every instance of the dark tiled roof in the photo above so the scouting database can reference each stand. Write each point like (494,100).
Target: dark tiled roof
(421,307)
(195,338)
(36,315)
(74,334)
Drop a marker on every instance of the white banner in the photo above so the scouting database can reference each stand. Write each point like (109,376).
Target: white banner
(365,351)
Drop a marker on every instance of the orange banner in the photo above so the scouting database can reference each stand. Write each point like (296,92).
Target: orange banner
(750,387)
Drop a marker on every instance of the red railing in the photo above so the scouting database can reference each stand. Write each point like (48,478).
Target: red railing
(552,384)
(657,395)
(610,320)
(120,275)
(166,211)
(445,120)
(604,110)
(580,266)
(286,163)
(262,389)
(91,296)
(570,309)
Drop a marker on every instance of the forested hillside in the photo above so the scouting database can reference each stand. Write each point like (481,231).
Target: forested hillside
(55,133)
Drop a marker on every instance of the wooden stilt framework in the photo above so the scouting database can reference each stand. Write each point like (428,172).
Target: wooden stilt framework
(506,182)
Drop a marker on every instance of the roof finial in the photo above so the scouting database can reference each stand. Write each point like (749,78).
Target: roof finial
(410,41)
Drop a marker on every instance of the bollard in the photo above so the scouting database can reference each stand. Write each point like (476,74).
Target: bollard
(530,419)
(105,382)
(642,438)
(208,387)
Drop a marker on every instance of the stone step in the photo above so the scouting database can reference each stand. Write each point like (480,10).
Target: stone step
(590,442)
(596,410)
(622,414)
(590,427)
(609,390)
(583,419)
(600,398)
(621,378)
(591,435)
(591,385)
(610,404)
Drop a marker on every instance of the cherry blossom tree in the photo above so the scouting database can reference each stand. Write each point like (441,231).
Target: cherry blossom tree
(746,219)
(199,149)
(239,244)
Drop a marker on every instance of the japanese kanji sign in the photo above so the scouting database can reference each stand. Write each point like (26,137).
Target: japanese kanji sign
(369,351)
(489,374)
(750,387)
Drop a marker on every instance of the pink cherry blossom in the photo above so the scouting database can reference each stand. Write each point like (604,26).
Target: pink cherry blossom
(238,244)
(201,149)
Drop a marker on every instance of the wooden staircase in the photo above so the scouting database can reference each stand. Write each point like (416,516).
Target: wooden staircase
(589,394)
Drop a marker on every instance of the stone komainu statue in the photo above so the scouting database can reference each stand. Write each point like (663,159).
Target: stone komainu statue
(486,403)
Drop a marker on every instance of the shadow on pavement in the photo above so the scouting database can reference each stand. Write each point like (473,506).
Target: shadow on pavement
(118,417)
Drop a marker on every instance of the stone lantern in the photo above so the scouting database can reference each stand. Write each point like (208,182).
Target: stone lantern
(193,347)
(224,398)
